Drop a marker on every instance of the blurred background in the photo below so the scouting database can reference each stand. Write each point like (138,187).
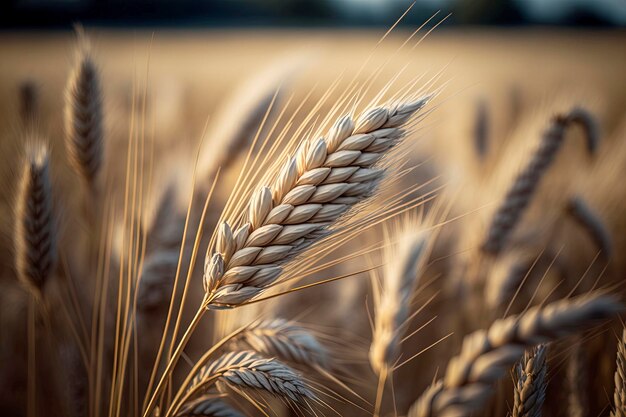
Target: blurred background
(60,13)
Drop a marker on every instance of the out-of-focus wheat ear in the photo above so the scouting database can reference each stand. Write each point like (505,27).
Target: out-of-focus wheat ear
(84,116)
(247,370)
(238,120)
(590,221)
(287,341)
(525,185)
(486,355)
(481,128)
(530,387)
(35,228)
(29,101)
(165,232)
(394,306)
(506,275)
(312,191)
(577,375)
(208,406)
(619,395)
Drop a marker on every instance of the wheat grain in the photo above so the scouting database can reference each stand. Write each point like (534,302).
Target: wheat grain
(208,406)
(530,387)
(487,354)
(286,340)
(578,209)
(326,178)
(525,185)
(83,117)
(619,395)
(35,232)
(246,369)
(392,311)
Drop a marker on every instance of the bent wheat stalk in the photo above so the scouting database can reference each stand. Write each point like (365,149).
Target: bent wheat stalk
(327,177)
(530,387)
(486,355)
(578,210)
(525,185)
(35,231)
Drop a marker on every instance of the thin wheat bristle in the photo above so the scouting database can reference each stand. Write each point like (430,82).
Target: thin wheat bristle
(530,387)
(84,118)
(327,177)
(246,369)
(578,209)
(486,355)
(392,311)
(525,185)
(208,406)
(287,341)
(577,403)
(619,395)
(35,232)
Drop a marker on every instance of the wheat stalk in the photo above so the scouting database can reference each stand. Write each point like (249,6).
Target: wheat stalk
(392,311)
(577,404)
(208,406)
(530,387)
(327,177)
(525,185)
(246,369)
(35,231)
(487,354)
(578,209)
(83,116)
(619,396)
(286,340)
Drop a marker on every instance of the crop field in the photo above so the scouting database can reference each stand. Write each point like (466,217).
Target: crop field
(315,222)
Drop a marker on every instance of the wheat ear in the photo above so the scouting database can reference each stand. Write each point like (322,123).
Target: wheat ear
(83,117)
(486,355)
(162,254)
(530,387)
(523,189)
(246,369)
(619,396)
(29,101)
(578,210)
(208,406)
(285,340)
(35,231)
(506,276)
(326,178)
(392,311)
(481,128)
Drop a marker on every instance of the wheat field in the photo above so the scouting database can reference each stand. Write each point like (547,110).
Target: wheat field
(312,222)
